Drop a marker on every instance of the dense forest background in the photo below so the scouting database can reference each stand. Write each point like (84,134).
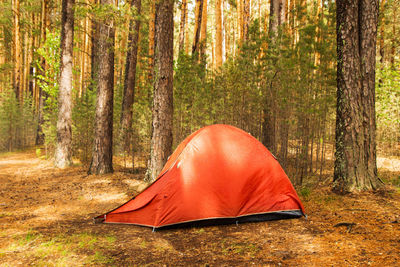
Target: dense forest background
(231,66)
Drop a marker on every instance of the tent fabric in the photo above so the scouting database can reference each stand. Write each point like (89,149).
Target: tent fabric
(219,174)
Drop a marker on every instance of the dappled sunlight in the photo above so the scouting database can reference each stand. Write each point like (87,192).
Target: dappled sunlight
(389,163)
(100,181)
(135,184)
(105,197)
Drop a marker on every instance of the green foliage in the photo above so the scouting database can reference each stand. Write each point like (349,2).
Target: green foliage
(191,96)
(388,104)
(48,82)
(305,192)
(83,116)
(17,122)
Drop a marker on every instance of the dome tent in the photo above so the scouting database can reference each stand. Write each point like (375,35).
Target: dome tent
(219,174)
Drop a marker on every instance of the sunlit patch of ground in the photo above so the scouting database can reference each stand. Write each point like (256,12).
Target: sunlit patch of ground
(46,219)
(389,163)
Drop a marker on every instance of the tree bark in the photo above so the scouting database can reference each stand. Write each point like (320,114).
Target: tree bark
(130,79)
(394,39)
(152,22)
(197,26)
(94,55)
(382,33)
(182,28)
(63,153)
(218,34)
(276,18)
(246,19)
(161,140)
(17,77)
(102,150)
(42,96)
(355,163)
(203,31)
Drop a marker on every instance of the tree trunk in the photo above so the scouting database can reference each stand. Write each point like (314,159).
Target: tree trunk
(63,157)
(17,77)
(382,39)
(203,32)
(276,18)
(161,140)
(182,28)
(197,26)
(218,34)
(152,22)
(394,39)
(102,150)
(246,19)
(94,55)
(130,79)
(240,21)
(355,163)
(42,96)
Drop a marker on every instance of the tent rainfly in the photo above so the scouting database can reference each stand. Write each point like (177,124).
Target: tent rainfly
(219,174)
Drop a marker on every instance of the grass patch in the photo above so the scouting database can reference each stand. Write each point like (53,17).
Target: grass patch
(62,250)
(199,231)
(111,239)
(143,244)
(240,249)
(305,192)
(99,258)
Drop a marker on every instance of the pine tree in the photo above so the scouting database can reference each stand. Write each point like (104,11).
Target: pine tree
(63,154)
(102,150)
(161,140)
(130,79)
(355,163)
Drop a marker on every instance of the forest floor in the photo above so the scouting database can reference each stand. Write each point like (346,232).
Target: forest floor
(46,220)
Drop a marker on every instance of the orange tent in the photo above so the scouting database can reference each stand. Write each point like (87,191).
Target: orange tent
(219,174)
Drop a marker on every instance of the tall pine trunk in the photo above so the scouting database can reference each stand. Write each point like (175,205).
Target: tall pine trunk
(63,157)
(182,27)
(218,34)
(355,163)
(102,150)
(161,140)
(130,79)
(197,26)
(94,54)
(42,96)
(203,31)
(276,18)
(17,77)
(152,22)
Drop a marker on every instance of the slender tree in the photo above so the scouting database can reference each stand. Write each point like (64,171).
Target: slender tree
(203,32)
(197,25)
(218,34)
(161,140)
(355,163)
(130,79)
(42,96)
(182,28)
(17,77)
(63,157)
(276,18)
(246,19)
(152,22)
(94,55)
(102,149)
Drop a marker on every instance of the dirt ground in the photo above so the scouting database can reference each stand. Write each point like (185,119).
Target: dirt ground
(46,220)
